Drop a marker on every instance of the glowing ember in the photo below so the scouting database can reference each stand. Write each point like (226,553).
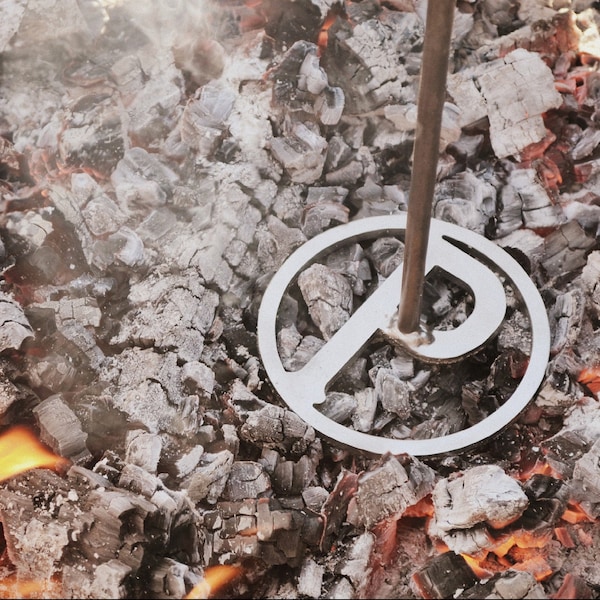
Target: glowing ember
(14,587)
(476,567)
(590,377)
(20,451)
(214,579)
(540,468)
(323,35)
(575,514)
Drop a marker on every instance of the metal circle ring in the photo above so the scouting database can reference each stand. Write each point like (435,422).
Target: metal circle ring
(304,389)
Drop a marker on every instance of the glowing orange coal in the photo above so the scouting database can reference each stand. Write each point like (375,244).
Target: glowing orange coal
(13,586)
(590,377)
(323,34)
(20,450)
(214,578)
(540,467)
(575,514)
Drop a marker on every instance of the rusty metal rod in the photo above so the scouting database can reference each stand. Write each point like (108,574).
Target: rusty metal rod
(432,93)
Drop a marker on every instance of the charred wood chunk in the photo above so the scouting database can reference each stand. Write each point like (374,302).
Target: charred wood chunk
(14,326)
(590,277)
(574,586)
(335,508)
(496,90)
(61,429)
(443,576)
(208,481)
(500,500)
(302,153)
(388,489)
(247,479)
(36,512)
(279,428)
(510,584)
(328,296)
(548,498)
(586,480)
(110,580)
(288,21)
(566,250)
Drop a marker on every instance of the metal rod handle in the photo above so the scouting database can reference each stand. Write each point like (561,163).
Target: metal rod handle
(432,93)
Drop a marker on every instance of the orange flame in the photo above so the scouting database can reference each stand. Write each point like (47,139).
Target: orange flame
(476,567)
(21,451)
(323,35)
(14,587)
(214,578)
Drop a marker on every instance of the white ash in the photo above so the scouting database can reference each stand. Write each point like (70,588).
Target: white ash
(481,495)
(515,117)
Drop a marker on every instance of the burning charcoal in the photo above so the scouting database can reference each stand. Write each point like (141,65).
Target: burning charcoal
(466,200)
(355,565)
(387,255)
(138,480)
(351,262)
(198,378)
(93,138)
(338,406)
(537,209)
(567,313)
(444,576)
(12,15)
(302,153)
(32,528)
(141,180)
(527,242)
(318,217)
(100,214)
(169,579)
(329,105)
(404,118)
(590,276)
(143,449)
(495,90)
(288,21)
(279,428)
(574,587)
(563,449)
(15,327)
(328,296)
(585,484)
(110,579)
(172,312)
(310,580)
(312,77)
(208,481)
(155,378)
(61,430)
(276,243)
(393,393)
(388,489)
(548,498)
(510,584)
(566,250)
(203,120)
(366,407)
(499,501)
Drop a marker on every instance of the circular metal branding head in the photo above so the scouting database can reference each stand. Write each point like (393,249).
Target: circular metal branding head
(477,264)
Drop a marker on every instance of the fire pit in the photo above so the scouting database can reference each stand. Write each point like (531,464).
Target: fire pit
(161,165)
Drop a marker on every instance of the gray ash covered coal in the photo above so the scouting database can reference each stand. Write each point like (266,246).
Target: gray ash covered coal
(159,161)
